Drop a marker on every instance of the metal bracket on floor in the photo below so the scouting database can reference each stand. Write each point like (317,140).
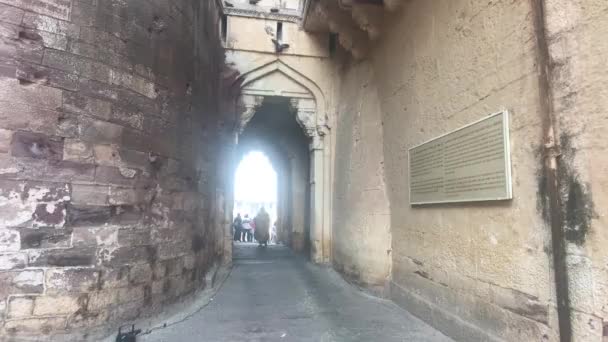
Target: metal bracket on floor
(129,336)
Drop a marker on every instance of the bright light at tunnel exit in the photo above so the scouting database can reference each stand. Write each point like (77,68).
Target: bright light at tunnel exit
(255,180)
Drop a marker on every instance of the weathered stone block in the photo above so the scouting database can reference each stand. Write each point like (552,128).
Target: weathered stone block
(32,204)
(115,277)
(133,237)
(101,38)
(173,267)
(80,104)
(126,196)
(130,255)
(126,117)
(19,307)
(5,140)
(84,13)
(117,176)
(77,65)
(59,9)
(71,280)
(36,95)
(107,155)
(51,40)
(21,282)
(36,145)
(88,215)
(45,238)
(9,240)
(49,24)
(128,216)
(102,300)
(63,257)
(14,168)
(135,159)
(33,73)
(96,195)
(11,14)
(140,273)
(35,325)
(174,249)
(77,151)
(100,54)
(520,303)
(135,83)
(55,305)
(88,319)
(25,116)
(9,261)
(131,294)
(10,167)
(125,312)
(100,132)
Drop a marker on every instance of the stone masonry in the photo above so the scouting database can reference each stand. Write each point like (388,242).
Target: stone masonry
(107,169)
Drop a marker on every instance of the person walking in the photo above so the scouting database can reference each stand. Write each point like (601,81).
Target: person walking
(262,226)
(247,229)
(273,234)
(237,226)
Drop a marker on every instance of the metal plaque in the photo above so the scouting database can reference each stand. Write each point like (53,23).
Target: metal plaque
(470,164)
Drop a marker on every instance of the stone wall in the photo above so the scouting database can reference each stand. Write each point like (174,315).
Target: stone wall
(576,32)
(108,199)
(477,271)
(361,230)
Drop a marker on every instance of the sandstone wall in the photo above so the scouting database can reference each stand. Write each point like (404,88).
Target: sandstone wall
(479,271)
(361,229)
(108,200)
(576,32)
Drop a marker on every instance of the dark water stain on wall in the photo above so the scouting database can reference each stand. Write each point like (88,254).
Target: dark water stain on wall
(577,209)
(577,203)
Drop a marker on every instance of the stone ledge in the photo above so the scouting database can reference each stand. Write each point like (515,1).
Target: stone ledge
(430,313)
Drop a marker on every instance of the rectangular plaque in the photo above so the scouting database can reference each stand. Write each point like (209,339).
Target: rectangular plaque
(470,164)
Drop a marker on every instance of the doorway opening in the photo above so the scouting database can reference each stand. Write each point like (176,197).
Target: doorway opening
(255,190)
(274,138)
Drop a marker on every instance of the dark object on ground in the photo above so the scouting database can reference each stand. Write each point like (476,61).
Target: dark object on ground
(129,336)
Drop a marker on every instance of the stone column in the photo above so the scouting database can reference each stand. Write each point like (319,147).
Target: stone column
(307,117)
(317,186)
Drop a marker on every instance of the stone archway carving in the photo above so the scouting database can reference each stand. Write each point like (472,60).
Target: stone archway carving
(309,105)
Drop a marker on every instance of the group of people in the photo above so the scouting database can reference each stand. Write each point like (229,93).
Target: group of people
(247,230)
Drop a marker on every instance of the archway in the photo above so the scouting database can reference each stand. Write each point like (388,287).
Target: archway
(275,132)
(307,106)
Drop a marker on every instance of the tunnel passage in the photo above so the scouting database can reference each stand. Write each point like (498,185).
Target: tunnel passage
(274,131)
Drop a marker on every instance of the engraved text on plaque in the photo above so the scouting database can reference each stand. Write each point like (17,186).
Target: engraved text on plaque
(470,164)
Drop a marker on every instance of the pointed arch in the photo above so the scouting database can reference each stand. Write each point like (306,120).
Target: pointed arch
(284,69)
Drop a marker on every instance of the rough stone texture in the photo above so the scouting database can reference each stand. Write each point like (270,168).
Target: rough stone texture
(108,116)
(575,31)
(476,271)
(361,247)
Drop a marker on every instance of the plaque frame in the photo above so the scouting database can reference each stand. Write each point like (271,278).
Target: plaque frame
(506,159)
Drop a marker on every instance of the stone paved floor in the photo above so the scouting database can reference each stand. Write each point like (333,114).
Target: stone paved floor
(272,295)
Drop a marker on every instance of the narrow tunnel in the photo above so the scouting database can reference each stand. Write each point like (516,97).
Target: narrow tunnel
(274,131)
(446,157)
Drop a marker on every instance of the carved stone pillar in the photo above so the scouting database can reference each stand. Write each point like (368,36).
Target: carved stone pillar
(315,130)
(248,105)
